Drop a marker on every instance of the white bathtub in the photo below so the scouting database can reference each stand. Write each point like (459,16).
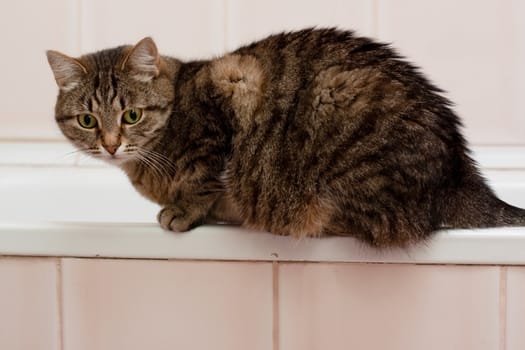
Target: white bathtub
(51,206)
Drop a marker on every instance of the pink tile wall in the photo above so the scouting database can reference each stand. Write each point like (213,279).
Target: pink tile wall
(152,304)
(130,304)
(187,29)
(249,20)
(28,90)
(515,308)
(472,49)
(28,304)
(349,306)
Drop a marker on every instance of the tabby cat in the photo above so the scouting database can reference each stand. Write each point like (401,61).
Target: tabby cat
(306,133)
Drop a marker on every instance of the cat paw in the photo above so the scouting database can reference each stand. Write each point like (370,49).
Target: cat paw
(173,218)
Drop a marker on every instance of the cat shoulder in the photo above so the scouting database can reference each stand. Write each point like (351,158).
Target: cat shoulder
(239,79)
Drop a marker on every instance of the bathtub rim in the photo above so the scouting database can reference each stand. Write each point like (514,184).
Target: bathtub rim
(495,246)
(148,241)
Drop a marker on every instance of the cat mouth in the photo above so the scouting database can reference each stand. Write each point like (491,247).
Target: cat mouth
(118,157)
(115,159)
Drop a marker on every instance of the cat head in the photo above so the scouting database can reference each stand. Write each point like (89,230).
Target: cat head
(112,104)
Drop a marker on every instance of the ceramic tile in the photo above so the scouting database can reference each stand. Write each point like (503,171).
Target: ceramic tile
(140,304)
(184,29)
(28,89)
(405,307)
(472,49)
(515,308)
(251,20)
(28,300)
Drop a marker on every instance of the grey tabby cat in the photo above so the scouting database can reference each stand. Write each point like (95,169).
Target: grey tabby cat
(307,133)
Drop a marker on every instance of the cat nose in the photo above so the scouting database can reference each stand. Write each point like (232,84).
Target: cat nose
(112,149)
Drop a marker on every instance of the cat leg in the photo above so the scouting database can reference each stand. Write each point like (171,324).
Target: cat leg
(186,212)
(173,218)
(184,215)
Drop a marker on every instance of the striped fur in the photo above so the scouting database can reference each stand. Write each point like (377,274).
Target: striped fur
(307,133)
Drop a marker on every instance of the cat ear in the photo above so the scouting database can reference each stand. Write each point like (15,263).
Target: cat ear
(143,60)
(67,70)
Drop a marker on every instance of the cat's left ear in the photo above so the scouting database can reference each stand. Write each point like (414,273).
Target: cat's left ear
(68,71)
(143,60)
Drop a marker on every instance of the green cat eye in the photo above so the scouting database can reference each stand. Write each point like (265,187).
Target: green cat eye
(131,116)
(87,121)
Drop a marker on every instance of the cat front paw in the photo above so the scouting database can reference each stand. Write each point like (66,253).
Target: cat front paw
(173,218)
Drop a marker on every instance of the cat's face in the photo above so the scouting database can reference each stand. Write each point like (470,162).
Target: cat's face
(114,103)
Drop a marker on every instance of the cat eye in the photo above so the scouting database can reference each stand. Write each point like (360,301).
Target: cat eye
(87,121)
(131,116)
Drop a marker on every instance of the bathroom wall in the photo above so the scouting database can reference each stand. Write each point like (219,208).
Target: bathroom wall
(65,303)
(473,49)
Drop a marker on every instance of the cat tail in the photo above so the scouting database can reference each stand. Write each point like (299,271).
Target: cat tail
(471,203)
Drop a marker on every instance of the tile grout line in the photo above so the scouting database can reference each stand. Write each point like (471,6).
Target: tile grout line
(503,308)
(275,299)
(60,339)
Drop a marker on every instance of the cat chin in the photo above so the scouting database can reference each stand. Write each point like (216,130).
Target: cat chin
(115,160)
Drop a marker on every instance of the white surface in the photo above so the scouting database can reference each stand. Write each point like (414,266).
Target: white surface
(94,211)
(38,153)
(488,246)
(71,194)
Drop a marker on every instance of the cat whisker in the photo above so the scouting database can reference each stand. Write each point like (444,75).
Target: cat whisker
(165,172)
(160,158)
(166,167)
(85,153)
(146,164)
(74,153)
(83,157)
(158,171)
(157,168)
